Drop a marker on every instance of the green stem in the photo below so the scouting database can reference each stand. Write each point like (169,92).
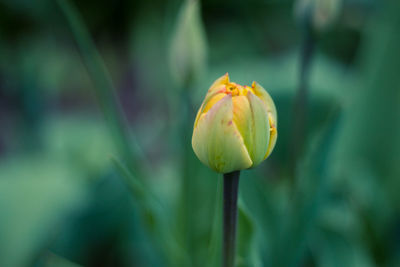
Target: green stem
(215,239)
(231,186)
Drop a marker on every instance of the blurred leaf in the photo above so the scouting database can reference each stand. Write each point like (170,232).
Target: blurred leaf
(332,249)
(36,195)
(366,154)
(337,241)
(267,198)
(53,260)
(141,195)
(155,216)
(247,252)
(311,192)
(128,147)
(81,140)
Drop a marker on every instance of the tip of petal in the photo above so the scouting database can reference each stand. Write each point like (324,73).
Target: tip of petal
(226,77)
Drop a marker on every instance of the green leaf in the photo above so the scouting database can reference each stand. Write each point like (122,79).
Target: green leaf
(36,196)
(247,251)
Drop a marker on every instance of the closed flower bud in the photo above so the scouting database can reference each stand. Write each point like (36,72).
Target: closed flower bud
(188,48)
(320,13)
(235,127)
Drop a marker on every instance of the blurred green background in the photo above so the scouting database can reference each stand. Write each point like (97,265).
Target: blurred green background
(97,103)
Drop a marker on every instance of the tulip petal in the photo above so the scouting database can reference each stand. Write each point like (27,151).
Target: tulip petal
(272,114)
(208,105)
(217,141)
(242,119)
(251,118)
(266,98)
(218,85)
(272,140)
(223,80)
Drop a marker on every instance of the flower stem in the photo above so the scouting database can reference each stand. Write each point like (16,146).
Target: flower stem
(231,184)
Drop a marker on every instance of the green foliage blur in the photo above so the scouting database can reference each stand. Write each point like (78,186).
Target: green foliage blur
(97,104)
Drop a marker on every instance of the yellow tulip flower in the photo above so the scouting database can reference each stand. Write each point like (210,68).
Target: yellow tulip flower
(235,127)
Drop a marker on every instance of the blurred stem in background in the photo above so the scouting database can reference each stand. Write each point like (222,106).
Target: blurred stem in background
(314,17)
(188,188)
(187,56)
(300,106)
(106,94)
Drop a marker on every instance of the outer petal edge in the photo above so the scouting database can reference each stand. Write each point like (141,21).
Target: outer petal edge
(266,98)
(217,142)
(212,91)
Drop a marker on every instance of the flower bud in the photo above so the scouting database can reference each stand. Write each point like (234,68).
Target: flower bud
(235,127)
(188,48)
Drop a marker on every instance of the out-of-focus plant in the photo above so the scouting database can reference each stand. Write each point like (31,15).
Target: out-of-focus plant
(188,48)
(104,88)
(187,62)
(320,14)
(313,17)
(152,212)
(235,129)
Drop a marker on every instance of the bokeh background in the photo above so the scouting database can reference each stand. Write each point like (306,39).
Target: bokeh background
(97,103)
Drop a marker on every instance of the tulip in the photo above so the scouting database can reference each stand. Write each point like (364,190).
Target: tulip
(235,127)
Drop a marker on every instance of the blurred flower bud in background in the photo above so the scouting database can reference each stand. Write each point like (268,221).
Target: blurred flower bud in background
(235,127)
(188,48)
(319,14)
